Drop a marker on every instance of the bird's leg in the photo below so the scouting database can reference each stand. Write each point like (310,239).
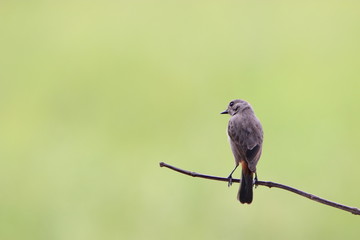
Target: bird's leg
(230,176)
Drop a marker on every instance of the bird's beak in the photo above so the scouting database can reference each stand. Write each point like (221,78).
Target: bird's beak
(224,112)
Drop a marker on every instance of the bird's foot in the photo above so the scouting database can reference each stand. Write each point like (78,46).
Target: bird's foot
(230,180)
(255,180)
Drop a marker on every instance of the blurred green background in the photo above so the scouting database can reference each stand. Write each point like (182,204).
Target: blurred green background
(94,94)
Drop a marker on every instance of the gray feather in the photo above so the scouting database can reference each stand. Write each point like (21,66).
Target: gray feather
(246,137)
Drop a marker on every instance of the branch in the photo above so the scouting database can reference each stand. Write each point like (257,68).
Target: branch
(353,210)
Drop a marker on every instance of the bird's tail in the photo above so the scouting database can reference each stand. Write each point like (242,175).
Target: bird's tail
(245,194)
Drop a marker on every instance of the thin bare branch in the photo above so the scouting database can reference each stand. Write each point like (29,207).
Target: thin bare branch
(352,210)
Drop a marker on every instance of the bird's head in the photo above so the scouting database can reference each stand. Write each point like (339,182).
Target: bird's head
(236,106)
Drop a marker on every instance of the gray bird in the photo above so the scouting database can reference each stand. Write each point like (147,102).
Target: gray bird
(246,138)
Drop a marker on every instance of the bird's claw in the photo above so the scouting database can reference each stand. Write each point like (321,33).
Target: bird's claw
(230,181)
(255,181)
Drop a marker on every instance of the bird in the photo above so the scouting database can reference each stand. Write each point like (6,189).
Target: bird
(245,134)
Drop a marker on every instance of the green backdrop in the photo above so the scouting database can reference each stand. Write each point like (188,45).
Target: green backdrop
(94,94)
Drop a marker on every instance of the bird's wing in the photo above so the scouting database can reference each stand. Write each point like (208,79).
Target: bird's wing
(253,141)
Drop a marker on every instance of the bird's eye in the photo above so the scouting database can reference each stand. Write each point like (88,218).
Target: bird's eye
(231,104)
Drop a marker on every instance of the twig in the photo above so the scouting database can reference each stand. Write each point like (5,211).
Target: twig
(353,210)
